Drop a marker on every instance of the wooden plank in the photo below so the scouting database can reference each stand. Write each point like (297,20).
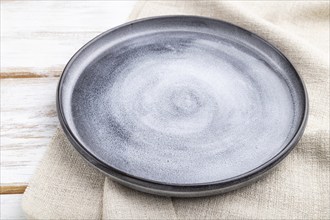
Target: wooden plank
(28,121)
(11,207)
(39,37)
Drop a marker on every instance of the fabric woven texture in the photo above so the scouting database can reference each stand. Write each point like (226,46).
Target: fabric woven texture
(66,187)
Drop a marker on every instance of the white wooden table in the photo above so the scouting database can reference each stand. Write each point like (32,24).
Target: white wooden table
(37,40)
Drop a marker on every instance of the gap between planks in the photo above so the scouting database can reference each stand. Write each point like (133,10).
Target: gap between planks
(7,75)
(12,189)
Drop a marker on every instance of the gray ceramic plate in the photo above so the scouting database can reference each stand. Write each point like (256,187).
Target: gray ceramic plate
(181,105)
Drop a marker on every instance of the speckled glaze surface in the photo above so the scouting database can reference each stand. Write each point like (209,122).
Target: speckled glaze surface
(181,105)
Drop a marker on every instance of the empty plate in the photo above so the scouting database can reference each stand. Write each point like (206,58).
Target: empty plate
(181,105)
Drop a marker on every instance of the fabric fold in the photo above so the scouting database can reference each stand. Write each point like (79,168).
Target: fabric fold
(120,202)
(64,186)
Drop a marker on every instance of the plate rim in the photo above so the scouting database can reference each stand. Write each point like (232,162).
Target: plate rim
(182,190)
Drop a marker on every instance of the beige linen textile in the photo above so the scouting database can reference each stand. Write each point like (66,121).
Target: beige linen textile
(65,187)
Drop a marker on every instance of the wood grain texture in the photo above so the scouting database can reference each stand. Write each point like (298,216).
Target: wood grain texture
(39,37)
(28,121)
(11,207)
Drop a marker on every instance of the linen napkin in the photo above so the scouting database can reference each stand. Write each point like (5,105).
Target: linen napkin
(66,187)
